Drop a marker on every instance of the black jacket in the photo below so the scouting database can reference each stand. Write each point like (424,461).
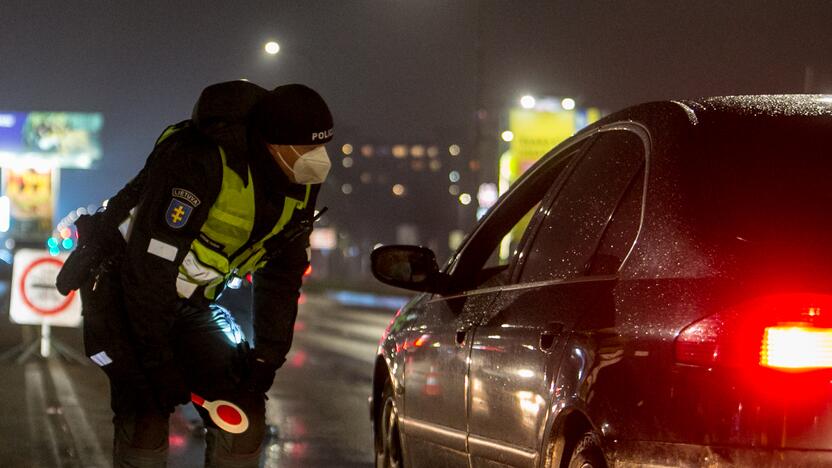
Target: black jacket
(189,162)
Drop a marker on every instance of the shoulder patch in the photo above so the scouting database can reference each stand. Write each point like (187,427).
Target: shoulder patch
(178,213)
(186,195)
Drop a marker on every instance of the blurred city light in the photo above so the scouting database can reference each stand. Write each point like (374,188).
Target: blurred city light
(465,198)
(346,189)
(507,135)
(347,149)
(453,176)
(487,195)
(399,151)
(527,102)
(347,162)
(455,238)
(568,103)
(272,48)
(453,190)
(398,190)
(453,150)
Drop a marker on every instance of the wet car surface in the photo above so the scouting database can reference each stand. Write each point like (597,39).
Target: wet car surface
(656,290)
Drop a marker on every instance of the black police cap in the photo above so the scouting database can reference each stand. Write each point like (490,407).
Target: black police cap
(293,114)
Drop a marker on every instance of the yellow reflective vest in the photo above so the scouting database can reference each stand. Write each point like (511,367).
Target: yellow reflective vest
(224,248)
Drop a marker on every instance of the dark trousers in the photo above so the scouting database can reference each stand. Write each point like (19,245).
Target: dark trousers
(211,356)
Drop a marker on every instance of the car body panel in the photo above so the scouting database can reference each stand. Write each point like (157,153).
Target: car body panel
(517,353)
(435,359)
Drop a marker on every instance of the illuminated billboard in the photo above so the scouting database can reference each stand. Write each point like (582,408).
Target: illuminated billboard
(50,139)
(31,202)
(534,133)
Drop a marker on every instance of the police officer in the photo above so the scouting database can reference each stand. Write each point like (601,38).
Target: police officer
(229,192)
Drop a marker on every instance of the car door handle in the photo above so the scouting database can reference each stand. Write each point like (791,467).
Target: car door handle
(460,336)
(547,336)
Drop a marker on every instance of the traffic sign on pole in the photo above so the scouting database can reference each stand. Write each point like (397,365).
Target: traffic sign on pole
(34,298)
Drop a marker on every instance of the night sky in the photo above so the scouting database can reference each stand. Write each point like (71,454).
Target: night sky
(392,70)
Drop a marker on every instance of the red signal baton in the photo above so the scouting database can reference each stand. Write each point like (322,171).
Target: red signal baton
(226,415)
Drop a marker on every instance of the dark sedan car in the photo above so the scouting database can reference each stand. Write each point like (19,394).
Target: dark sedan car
(669,302)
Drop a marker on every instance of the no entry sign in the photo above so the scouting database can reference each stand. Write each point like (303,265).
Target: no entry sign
(34,298)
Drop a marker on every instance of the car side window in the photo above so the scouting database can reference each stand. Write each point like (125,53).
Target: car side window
(621,231)
(484,258)
(574,224)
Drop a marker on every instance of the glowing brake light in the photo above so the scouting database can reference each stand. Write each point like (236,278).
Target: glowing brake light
(782,332)
(796,347)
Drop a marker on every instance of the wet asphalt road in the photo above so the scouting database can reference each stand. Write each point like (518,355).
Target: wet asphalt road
(56,412)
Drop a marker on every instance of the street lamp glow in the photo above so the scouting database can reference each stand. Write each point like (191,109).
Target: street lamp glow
(568,103)
(272,48)
(527,101)
(507,135)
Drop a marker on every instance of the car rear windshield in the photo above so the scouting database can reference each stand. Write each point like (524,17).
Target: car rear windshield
(766,182)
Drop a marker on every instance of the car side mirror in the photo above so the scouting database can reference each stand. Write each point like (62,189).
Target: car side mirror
(408,267)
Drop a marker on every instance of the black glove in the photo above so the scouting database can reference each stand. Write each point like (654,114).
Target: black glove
(260,372)
(97,242)
(168,385)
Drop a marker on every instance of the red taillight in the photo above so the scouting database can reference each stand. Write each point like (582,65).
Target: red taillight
(787,332)
(796,347)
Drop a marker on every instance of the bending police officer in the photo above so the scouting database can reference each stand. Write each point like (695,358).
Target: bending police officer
(229,192)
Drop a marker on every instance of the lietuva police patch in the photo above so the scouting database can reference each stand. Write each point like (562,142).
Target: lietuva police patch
(178,213)
(186,195)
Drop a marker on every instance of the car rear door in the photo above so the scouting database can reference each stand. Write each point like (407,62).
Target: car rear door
(556,280)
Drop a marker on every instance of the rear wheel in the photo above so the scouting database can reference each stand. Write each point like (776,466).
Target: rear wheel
(388,441)
(587,453)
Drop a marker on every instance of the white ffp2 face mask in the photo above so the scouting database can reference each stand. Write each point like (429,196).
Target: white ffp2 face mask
(311,167)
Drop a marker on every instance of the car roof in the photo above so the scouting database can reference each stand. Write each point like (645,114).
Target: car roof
(709,113)
(783,105)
